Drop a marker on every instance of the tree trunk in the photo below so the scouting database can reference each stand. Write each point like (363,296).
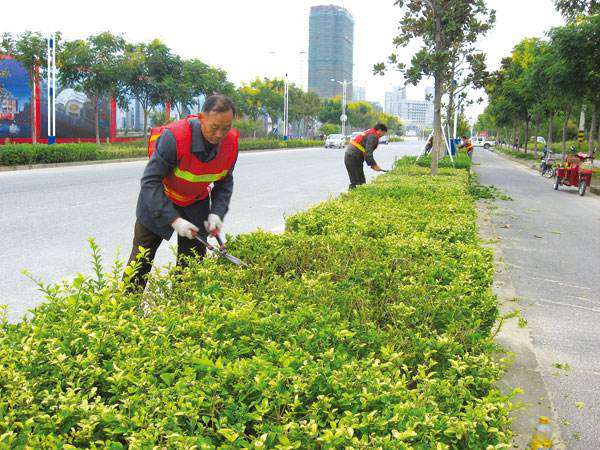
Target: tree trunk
(593,127)
(564,131)
(550,124)
(437,124)
(526,134)
(97,119)
(537,129)
(145,126)
(33,106)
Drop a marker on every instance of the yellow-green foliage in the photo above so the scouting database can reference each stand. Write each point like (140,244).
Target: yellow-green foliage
(365,325)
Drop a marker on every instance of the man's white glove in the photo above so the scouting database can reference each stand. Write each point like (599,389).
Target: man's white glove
(214,224)
(184,228)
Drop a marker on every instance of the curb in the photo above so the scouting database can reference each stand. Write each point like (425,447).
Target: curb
(523,371)
(527,163)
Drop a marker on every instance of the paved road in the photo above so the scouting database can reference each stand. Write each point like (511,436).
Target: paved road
(551,244)
(48,214)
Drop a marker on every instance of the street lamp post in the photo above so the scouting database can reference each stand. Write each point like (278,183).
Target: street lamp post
(343,117)
(51,86)
(286,102)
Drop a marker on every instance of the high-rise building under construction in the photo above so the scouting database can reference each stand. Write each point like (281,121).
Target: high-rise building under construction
(331,49)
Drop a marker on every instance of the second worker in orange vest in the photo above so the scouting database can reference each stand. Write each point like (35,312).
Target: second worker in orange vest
(186,186)
(359,151)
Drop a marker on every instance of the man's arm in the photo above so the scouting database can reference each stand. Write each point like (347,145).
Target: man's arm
(370,144)
(162,162)
(220,196)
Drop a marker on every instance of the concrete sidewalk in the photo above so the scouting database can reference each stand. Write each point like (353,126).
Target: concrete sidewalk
(546,247)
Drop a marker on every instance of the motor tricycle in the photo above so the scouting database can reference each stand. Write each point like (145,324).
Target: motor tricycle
(576,171)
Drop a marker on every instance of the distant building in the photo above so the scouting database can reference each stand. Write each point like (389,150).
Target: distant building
(418,113)
(394,101)
(330,51)
(429,93)
(377,106)
(359,94)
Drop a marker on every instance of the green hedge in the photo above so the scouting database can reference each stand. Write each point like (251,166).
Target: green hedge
(461,161)
(367,324)
(530,155)
(27,154)
(265,144)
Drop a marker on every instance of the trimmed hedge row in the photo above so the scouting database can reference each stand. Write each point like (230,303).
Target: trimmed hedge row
(27,154)
(461,161)
(367,324)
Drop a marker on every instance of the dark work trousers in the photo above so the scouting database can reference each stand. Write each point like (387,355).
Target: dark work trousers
(354,166)
(142,237)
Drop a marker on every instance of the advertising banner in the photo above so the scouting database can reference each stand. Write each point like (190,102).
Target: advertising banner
(75,114)
(15,100)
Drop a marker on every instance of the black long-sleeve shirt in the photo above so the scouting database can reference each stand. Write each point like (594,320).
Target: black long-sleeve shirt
(154,209)
(370,143)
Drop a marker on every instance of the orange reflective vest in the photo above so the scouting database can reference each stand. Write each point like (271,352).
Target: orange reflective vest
(469,145)
(358,140)
(191,179)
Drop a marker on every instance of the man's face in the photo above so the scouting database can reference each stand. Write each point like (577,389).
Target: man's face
(216,125)
(380,133)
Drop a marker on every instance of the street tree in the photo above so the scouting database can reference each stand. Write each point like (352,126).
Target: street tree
(144,70)
(361,114)
(331,110)
(92,66)
(571,9)
(446,29)
(575,74)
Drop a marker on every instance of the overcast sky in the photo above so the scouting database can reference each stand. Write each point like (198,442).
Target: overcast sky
(265,37)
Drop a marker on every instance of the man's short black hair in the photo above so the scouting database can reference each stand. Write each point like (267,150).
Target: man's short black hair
(218,103)
(381,127)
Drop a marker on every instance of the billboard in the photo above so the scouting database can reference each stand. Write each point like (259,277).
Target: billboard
(15,100)
(130,120)
(75,117)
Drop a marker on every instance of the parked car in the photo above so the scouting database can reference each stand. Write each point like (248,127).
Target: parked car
(335,141)
(482,141)
(384,139)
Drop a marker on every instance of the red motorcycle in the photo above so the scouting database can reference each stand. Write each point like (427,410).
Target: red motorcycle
(576,172)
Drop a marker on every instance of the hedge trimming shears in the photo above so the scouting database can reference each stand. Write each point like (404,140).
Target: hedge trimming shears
(221,250)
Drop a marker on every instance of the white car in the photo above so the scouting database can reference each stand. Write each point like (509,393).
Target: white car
(335,141)
(384,139)
(481,141)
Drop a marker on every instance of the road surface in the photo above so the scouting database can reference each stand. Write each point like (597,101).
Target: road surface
(48,214)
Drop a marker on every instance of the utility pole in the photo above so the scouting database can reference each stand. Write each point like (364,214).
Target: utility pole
(581,133)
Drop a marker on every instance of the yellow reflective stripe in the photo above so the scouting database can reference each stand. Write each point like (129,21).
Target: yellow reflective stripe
(177,196)
(193,178)
(358,146)
(154,137)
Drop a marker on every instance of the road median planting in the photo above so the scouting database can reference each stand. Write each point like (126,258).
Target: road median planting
(29,154)
(368,323)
